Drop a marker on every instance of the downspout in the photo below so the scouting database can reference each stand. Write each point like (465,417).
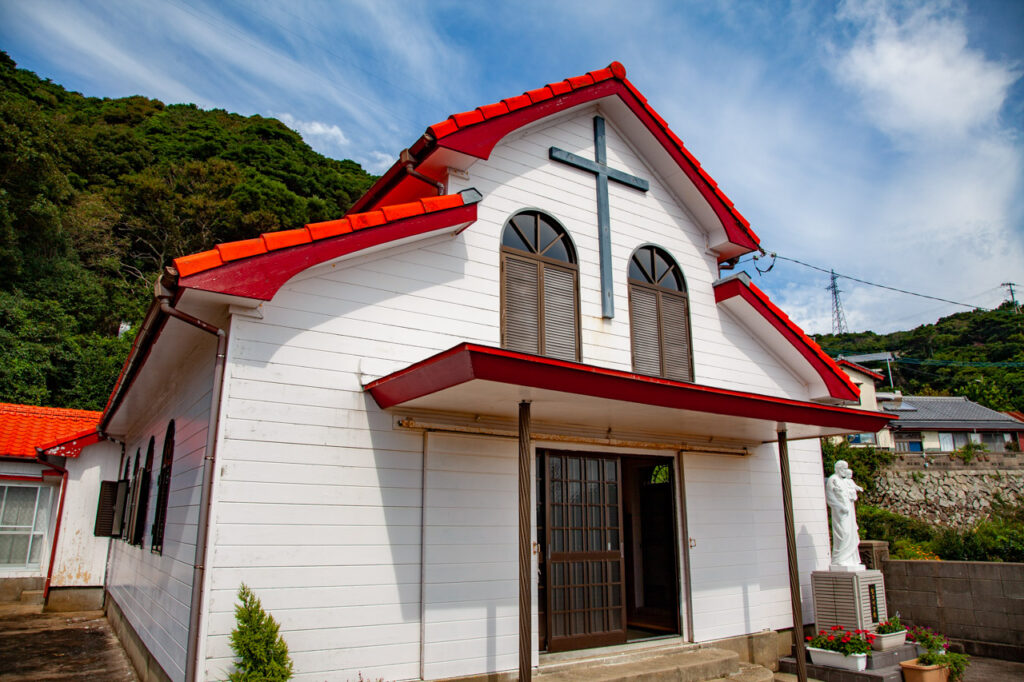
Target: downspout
(203,526)
(409,162)
(60,514)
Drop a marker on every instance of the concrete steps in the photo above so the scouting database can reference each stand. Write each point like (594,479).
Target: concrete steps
(671,663)
(748,672)
(31,597)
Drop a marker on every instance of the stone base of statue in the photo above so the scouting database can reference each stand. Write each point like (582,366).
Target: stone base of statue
(852,599)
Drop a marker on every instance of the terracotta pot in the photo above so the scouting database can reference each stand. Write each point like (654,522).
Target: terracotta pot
(834,659)
(890,640)
(913,672)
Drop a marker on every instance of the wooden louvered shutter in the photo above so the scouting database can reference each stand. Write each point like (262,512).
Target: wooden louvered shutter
(643,324)
(105,509)
(675,335)
(522,319)
(559,313)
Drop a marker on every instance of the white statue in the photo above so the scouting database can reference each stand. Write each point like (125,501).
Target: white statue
(841,495)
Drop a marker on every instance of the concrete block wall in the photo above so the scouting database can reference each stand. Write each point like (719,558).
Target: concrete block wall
(978,604)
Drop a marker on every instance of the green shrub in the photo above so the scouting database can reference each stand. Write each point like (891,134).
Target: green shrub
(880,524)
(262,652)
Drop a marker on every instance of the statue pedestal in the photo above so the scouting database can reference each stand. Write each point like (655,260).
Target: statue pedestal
(855,600)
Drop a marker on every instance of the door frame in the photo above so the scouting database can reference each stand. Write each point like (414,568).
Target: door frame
(684,616)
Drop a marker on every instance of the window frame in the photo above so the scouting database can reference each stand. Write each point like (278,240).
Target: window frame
(37,531)
(541,264)
(660,292)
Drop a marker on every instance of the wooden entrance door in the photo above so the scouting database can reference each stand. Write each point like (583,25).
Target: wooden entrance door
(585,587)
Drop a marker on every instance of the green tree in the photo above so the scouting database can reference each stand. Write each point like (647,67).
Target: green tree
(262,652)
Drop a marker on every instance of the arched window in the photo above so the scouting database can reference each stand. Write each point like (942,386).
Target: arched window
(539,287)
(137,521)
(163,491)
(659,316)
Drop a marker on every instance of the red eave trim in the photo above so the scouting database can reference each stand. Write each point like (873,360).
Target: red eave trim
(863,370)
(260,273)
(72,446)
(467,362)
(836,380)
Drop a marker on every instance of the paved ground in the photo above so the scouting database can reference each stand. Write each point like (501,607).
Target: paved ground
(980,670)
(45,647)
(993,670)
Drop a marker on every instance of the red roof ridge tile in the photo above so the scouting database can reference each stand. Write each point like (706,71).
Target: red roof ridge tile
(222,254)
(615,70)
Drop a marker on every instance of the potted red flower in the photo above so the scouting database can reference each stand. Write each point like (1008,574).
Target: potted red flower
(839,648)
(889,634)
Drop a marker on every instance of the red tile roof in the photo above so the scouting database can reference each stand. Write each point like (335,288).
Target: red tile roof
(482,127)
(274,241)
(25,427)
(614,71)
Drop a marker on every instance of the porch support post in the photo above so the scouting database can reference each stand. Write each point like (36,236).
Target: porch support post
(794,576)
(525,583)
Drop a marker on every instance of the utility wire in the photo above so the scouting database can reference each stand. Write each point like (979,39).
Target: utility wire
(864,281)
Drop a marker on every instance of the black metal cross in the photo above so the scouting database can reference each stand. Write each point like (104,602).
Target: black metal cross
(599,167)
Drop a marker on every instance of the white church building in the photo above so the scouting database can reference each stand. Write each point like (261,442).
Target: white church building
(530,317)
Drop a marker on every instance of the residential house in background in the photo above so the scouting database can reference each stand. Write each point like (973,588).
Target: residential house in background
(864,379)
(52,464)
(947,423)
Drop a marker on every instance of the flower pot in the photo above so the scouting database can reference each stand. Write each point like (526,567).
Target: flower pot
(914,672)
(834,659)
(890,640)
(921,650)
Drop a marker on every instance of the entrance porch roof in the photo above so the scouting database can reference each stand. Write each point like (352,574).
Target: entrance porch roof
(479,380)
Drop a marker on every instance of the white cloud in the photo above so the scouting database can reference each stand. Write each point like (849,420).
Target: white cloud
(917,74)
(316,133)
(376,162)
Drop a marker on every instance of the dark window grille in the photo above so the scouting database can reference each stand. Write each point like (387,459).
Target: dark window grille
(163,491)
(143,475)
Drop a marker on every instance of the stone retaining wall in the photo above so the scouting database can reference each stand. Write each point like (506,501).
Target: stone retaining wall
(978,604)
(952,497)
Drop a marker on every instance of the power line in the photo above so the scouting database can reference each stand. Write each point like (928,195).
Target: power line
(873,284)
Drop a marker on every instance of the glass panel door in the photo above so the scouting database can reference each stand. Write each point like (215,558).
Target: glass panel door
(585,586)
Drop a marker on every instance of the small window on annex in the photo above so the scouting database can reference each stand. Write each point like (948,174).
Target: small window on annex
(24,515)
(659,316)
(539,287)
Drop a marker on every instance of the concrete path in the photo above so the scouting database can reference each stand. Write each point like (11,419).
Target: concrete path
(45,647)
(980,670)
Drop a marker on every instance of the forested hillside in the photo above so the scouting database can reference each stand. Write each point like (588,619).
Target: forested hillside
(97,195)
(978,354)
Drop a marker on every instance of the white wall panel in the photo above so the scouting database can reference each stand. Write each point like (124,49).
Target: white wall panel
(154,591)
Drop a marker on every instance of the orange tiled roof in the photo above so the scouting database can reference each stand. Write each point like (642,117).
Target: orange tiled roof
(615,70)
(273,241)
(24,427)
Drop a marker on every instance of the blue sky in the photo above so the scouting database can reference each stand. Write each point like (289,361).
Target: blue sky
(882,139)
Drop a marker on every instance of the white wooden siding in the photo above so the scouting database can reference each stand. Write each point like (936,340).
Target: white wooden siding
(739,569)
(317,493)
(471,584)
(154,591)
